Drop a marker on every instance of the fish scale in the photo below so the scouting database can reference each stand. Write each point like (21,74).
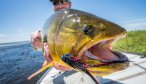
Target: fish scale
(73,32)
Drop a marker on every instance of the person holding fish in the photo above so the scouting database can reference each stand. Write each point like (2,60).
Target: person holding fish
(36,36)
(80,41)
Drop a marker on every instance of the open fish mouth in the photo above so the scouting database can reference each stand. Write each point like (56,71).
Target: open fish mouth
(101,54)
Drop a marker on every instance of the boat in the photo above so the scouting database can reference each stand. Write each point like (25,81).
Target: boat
(54,76)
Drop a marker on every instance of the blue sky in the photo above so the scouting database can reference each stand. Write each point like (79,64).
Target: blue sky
(18,18)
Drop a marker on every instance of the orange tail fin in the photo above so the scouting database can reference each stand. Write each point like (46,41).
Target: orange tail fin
(40,70)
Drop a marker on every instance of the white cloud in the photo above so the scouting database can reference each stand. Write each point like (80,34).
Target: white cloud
(138,24)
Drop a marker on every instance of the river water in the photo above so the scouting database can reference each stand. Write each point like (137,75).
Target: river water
(17,62)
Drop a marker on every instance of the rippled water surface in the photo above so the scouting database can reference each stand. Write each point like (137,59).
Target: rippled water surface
(17,62)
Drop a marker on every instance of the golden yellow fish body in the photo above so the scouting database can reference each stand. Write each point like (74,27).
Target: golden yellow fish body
(73,32)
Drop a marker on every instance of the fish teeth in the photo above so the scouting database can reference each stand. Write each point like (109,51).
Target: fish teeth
(122,57)
(106,60)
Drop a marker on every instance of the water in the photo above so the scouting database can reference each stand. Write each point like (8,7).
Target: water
(17,62)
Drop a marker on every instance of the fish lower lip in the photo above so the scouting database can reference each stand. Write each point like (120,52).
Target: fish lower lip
(121,57)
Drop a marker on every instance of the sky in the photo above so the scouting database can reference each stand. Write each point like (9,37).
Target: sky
(18,18)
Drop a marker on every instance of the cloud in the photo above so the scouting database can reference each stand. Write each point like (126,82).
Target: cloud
(138,24)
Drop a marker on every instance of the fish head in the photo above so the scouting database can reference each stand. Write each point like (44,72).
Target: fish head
(90,39)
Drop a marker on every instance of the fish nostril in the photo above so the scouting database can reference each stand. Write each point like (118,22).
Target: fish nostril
(102,26)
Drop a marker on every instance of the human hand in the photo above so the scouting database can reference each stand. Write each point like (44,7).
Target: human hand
(61,67)
(49,59)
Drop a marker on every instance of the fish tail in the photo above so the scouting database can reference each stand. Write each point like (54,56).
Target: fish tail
(41,70)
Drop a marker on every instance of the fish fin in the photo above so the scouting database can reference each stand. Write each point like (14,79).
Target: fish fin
(92,77)
(75,64)
(41,70)
(85,70)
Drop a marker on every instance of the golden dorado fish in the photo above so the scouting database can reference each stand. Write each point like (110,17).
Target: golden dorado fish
(83,42)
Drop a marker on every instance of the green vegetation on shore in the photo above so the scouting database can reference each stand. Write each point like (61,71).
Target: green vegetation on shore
(134,42)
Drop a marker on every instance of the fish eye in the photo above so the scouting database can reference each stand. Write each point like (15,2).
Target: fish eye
(87,29)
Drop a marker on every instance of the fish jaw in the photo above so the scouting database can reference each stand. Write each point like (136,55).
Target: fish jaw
(100,59)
